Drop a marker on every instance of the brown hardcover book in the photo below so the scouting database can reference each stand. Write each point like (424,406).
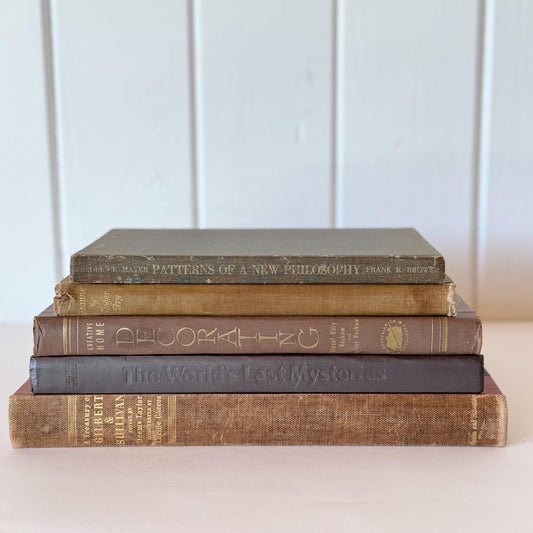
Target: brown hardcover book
(160,334)
(369,255)
(318,299)
(258,419)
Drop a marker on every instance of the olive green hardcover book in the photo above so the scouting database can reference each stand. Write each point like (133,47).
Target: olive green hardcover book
(368,255)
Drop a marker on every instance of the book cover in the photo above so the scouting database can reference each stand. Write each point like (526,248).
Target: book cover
(100,374)
(74,299)
(369,255)
(163,334)
(258,419)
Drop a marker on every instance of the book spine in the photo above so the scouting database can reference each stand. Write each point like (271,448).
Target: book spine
(256,374)
(256,300)
(257,419)
(257,269)
(181,335)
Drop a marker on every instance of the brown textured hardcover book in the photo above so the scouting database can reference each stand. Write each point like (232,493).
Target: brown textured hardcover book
(318,299)
(369,255)
(160,334)
(258,419)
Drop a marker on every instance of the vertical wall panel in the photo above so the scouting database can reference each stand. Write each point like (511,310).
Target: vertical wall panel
(264,79)
(122,78)
(27,258)
(506,288)
(407,116)
(264,76)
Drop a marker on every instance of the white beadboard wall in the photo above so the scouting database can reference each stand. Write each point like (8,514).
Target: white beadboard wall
(279,113)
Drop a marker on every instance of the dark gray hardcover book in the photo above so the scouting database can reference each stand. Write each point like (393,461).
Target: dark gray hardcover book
(256,374)
(367,255)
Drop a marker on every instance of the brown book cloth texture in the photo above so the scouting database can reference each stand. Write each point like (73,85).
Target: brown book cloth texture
(258,419)
(74,299)
(163,334)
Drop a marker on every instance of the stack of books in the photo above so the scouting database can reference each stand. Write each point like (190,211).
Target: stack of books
(205,337)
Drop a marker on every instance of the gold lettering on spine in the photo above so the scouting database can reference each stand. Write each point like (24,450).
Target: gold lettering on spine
(266,338)
(355,336)
(149,428)
(245,337)
(120,421)
(311,332)
(158,420)
(286,338)
(206,336)
(139,420)
(180,331)
(87,409)
(83,301)
(98,419)
(172,419)
(99,338)
(72,437)
(473,420)
(227,336)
